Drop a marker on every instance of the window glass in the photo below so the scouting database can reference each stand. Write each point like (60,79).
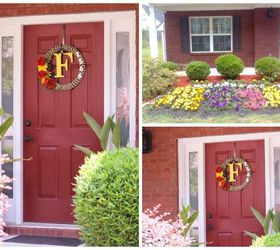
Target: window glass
(200,43)
(123,82)
(7,102)
(222,25)
(193,187)
(200,25)
(222,43)
(277,178)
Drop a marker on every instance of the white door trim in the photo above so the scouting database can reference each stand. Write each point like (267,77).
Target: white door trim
(197,144)
(13,26)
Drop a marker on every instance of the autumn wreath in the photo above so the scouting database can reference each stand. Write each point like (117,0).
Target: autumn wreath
(45,67)
(222,174)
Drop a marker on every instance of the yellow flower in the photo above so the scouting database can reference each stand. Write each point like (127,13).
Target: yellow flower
(42,68)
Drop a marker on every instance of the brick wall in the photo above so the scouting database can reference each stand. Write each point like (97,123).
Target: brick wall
(266,33)
(257,40)
(8,10)
(160,175)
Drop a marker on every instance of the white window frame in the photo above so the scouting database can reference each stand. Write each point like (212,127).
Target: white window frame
(211,34)
(197,144)
(13,26)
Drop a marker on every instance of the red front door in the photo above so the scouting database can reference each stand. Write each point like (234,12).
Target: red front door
(56,120)
(228,213)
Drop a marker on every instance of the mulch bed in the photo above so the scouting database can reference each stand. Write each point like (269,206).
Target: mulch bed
(184,80)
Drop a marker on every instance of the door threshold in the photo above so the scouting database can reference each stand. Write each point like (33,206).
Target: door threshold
(44,225)
(44,229)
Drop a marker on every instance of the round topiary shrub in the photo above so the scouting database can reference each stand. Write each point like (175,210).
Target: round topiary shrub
(170,65)
(229,66)
(269,240)
(198,70)
(106,199)
(268,67)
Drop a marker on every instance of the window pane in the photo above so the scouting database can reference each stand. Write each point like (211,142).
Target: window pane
(122,82)
(277,178)
(7,102)
(193,184)
(222,43)
(200,26)
(222,25)
(200,43)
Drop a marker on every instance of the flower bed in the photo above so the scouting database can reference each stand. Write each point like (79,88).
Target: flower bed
(224,95)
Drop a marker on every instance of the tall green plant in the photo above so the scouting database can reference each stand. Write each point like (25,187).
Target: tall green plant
(186,219)
(270,221)
(103,133)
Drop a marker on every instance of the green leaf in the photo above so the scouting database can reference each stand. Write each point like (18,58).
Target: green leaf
(276,223)
(105,131)
(258,215)
(84,150)
(1,111)
(93,124)
(5,126)
(193,217)
(266,222)
(116,136)
(252,235)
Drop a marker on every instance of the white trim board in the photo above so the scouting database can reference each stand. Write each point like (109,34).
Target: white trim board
(13,26)
(197,144)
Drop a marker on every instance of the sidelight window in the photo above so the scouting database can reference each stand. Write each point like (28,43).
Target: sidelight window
(7,52)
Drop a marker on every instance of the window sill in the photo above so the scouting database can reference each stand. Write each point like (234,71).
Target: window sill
(209,53)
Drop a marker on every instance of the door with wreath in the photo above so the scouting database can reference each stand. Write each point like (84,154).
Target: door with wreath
(53,120)
(228,203)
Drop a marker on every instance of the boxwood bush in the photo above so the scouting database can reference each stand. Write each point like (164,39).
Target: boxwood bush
(229,66)
(170,65)
(268,67)
(269,240)
(106,199)
(198,70)
(156,79)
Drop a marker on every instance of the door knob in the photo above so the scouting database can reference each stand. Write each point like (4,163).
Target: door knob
(27,138)
(27,123)
(209,216)
(209,226)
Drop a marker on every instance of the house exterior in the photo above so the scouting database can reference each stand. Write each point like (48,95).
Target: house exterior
(181,169)
(96,67)
(203,32)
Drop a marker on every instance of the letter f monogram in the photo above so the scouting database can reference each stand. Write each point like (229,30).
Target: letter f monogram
(232,172)
(60,65)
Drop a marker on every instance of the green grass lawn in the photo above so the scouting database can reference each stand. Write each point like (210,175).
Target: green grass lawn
(167,115)
(146,51)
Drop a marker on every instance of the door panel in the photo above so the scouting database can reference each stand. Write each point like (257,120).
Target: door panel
(231,214)
(56,119)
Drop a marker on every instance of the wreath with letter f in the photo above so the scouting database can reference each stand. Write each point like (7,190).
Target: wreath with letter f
(46,68)
(226,173)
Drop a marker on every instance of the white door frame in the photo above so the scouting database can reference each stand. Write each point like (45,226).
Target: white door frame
(197,144)
(113,22)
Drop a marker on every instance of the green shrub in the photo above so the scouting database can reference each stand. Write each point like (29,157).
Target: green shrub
(197,70)
(268,67)
(156,79)
(229,65)
(269,240)
(106,199)
(170,65)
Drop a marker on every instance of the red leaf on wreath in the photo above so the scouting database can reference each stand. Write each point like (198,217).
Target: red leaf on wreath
(41,61)
(219,169)
(50,83)
(226,186)
(42,73)
(219,178)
